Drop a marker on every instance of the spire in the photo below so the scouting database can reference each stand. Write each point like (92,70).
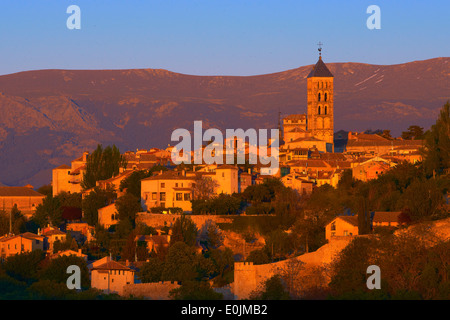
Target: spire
(320,69)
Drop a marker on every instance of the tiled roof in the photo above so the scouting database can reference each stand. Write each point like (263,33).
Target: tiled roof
(64,166)
(386,216)
(353,220)
(19,192)
(320,70)
(111,265)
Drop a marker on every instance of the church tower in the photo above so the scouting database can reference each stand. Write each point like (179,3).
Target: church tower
(320,103)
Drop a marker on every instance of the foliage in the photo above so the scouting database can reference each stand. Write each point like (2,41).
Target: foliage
(56,270)
(195,290)
(272,289)
(128,206)
(25,266)
(413,133)
(95,200)
(102,164)
(151,271)
(204,188)
(184,230)
(437,144)
(210,235)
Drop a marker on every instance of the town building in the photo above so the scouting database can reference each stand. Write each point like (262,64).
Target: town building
(316,128)
(111,277)
(25,198)
(21,243)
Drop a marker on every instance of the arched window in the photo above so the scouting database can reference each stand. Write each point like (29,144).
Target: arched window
(326,97)
(319,96)
(326,109)
(318,110)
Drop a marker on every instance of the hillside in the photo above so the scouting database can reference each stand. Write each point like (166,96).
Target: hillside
(49,117)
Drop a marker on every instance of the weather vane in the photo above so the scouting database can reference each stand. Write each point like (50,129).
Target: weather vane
(320,48)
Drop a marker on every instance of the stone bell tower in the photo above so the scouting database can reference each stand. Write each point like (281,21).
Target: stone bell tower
(320,103)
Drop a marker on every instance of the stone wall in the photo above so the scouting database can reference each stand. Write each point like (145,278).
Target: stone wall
(151,291)
(157,220)
(249,277)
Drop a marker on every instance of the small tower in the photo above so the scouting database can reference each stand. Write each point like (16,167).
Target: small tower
(320,102)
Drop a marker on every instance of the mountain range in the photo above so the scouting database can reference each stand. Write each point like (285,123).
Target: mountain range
(49,117)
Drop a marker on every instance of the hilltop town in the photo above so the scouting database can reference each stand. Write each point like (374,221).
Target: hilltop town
(141,226)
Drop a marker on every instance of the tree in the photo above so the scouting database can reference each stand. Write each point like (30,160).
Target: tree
(387,134)
(424,199)
(102,164)
(56,270)
(272,289)
(258,257)
(152,270)
(195,290)
(128,206)
(210,235)
(437,144)
(180,263)
(95,200)
(184,230)
(413,133)
(24,267)
(46,190)
(204,188)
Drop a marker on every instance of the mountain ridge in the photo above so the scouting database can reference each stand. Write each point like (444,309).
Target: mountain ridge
(49,117)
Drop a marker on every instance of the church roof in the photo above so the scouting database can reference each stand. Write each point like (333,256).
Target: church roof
(320,70)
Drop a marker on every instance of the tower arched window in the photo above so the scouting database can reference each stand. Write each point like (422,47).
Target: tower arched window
(318,111)
(325,97)
(319,96)
(325,111)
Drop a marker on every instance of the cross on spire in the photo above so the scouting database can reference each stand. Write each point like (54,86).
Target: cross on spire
(320,48)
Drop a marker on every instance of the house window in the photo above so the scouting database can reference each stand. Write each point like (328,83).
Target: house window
(153,195)
(333,226)
(179,196)
(163,185)
(176,185)
(187,197)
(223,174)
(162,196)
(345,232)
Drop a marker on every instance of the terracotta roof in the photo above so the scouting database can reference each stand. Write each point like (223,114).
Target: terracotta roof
(295,117)
(26,235)
(53,232)
(320,70)
(226,166)
(353,220)
(169,175)
(386,216)
(64,166)
(19,192)
(111,265)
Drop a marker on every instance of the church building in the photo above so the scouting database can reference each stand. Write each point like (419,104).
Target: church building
(316,128)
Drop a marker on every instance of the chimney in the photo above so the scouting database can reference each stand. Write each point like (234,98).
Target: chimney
(85,154)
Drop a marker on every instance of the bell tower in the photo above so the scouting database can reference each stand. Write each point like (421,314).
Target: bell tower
(320,97)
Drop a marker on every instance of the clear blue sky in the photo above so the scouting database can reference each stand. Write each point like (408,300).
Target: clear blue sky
(217,37)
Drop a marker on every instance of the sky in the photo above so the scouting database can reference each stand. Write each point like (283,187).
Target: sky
(217,37)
